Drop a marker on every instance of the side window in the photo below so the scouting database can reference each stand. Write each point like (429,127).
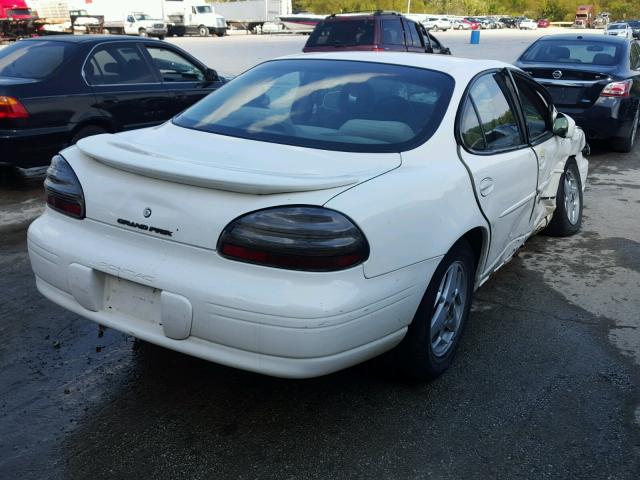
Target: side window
(413,36)
(470,129)
(174,67)
(535,108)
(417,35)
(392,33)
(130,19)
(499,124)
(117,65)
(635,56)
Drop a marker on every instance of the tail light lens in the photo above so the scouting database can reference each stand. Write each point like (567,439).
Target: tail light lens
(63,190)
(617,89)
(296,238)
(12,108)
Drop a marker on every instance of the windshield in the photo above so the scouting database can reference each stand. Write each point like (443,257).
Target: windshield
(582,52)
(142,16)
(342,33)
(327,104)
(33,59)
(204,9)
(617,26)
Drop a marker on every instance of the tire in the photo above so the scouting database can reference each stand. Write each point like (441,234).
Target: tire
(419,355)
(143,33)
(160,37)
(221,34)
(87,131)
(567,218)
(203,31)
(625,144)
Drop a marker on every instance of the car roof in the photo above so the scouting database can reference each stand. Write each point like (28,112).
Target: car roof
(90,39)
(459,68)
(589,37)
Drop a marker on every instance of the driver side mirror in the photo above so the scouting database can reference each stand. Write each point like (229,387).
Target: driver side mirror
(564,126)
(445,51)
(210,75)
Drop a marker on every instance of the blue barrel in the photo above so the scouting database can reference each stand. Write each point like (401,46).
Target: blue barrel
(475,37)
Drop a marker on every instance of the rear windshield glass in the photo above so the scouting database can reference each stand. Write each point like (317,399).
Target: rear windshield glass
(617,26)
(583,52)
(342,33)
(33,59)
(327,104)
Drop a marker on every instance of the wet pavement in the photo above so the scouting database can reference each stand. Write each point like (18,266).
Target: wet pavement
(545,384)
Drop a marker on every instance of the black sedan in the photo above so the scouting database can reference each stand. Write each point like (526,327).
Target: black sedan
(595,79)
(57,90)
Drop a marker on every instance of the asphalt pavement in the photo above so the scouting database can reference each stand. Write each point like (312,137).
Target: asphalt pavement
(545,383)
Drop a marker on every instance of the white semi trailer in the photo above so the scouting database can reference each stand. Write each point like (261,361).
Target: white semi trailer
(249,14)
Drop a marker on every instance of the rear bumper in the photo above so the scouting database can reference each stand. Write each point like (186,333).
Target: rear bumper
(606,118)
(271,321)
(31,147)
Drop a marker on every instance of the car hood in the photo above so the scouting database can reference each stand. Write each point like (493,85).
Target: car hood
(208,160)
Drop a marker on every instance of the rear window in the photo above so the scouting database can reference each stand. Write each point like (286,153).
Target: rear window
(581,52)
(327,104)
(617,26)
(342,33)
(33,59)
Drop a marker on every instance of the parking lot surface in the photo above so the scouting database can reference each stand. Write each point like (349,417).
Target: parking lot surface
(546,383)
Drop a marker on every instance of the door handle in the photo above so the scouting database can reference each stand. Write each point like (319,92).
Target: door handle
(486,186)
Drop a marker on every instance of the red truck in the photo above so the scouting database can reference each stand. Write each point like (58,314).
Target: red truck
(585,16)
(16,19)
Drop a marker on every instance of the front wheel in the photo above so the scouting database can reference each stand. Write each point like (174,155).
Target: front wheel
(567,218)
(203,31)
(143,33)
(160,37)
(433,336)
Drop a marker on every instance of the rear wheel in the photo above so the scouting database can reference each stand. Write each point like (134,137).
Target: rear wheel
(433,336)
(567,218)
(625,144)
(87,131)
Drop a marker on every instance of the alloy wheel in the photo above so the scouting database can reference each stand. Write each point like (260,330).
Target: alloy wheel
(448,309)
(571,197)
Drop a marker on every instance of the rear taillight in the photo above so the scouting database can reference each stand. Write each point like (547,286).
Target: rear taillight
(296,238)
(12,108)
(63,190)
(617,89)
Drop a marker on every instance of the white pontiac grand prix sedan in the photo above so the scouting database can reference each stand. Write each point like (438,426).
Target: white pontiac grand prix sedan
(313,213)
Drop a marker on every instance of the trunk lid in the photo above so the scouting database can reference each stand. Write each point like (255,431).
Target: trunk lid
(184,185)
(572,85)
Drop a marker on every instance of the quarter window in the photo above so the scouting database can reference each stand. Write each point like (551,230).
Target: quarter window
(392,33)
(499,124)
(174,67)
(470,129)
(117,64)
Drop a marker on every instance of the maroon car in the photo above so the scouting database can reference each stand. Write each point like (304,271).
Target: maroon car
(543,23)
(379,31)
